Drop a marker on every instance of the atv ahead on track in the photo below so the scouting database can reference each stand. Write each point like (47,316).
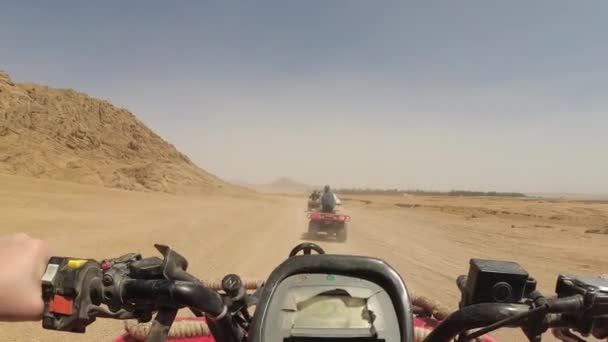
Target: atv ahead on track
(329,224)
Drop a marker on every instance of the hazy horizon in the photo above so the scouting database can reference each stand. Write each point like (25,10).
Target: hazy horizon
(438,96)
(287,181)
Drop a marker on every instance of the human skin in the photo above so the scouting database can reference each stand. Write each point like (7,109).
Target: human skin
(24,262)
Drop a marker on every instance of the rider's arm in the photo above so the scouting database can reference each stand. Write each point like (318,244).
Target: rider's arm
(24,261)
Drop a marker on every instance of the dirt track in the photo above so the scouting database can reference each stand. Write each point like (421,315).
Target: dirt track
(250,235)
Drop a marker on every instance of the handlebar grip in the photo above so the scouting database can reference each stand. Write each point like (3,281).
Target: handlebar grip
(175,292)
(573,304)
(600,328)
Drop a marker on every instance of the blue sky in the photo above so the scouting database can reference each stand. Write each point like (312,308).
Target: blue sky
(507,95)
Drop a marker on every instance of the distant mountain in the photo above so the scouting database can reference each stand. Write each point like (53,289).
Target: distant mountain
(571,196)
(243,184)
(281,185)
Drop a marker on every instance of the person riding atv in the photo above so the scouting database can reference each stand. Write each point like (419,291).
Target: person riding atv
(316,194)
(314,200)
(329,200)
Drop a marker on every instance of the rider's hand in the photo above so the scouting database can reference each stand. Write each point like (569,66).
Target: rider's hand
(24,261)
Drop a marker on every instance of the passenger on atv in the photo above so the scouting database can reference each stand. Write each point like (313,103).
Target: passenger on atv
(329,200)
(315,195)
(314,201)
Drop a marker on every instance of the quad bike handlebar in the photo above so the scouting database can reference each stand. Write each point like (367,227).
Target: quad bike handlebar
(132,287)
(559,313)
(581,305)
(77,291)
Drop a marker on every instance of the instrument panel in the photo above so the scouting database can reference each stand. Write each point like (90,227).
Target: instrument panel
(328,307)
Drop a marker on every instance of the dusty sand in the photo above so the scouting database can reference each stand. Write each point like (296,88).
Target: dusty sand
(428,240)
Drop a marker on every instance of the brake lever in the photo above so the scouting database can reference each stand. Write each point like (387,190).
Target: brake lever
(175,265)
(101,312)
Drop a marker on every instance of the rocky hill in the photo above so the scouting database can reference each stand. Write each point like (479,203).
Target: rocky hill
(62,134)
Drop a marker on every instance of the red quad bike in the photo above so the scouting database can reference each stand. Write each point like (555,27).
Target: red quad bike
(313,297)
(328,224)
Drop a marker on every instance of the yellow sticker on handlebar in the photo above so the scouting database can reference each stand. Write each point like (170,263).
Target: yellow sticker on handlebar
(75,263)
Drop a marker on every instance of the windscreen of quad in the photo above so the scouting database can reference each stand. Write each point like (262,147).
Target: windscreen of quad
(325,307)
(332,312)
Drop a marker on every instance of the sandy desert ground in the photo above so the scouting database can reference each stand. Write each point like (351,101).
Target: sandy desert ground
(429,240)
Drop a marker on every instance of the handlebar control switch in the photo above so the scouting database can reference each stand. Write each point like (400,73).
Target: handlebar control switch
(594,291)
(114,272)
(573,285)
(494,281)
(70,290)
(148,268)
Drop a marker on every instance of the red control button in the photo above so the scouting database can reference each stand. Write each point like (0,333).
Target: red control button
(61,305)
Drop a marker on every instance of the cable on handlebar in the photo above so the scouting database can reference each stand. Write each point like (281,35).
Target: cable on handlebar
(473,317)
(572,304)
(505,322)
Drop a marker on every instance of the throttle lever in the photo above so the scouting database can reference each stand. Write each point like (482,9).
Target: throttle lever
(175,265)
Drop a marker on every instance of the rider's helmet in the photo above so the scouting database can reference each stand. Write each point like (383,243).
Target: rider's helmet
(326,188)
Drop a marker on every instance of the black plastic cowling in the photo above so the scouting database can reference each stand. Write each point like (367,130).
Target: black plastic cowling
(371,269)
